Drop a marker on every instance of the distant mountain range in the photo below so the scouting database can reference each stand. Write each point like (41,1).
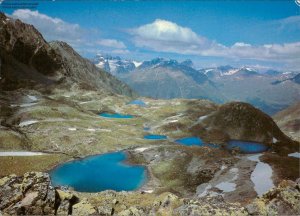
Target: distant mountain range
(269,90)
(114,65)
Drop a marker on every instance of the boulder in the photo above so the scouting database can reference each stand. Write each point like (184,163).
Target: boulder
(84,208)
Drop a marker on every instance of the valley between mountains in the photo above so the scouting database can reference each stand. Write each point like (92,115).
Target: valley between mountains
(57,107)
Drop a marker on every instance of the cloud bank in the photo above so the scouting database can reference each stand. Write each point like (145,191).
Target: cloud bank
(166,36)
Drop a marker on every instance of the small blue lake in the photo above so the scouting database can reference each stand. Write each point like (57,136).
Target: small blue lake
(194,141)
(155,137)
(115,115)
(247,147)
(137,102)
(99,173)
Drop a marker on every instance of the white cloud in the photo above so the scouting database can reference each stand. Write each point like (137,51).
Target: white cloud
(111,43)
(162,35)
(83,40)
(166,36)
(120,51)
(241,44)
(51,28)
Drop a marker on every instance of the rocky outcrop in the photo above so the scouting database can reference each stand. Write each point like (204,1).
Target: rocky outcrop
(241,121)
(80,70)
(210,206)
(283,200)
(28,61)
(288,121)
(32,194)
(26,58)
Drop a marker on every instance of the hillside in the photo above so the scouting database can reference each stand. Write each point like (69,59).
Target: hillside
(289,121)
(28,61)
(166,79)
(268,90)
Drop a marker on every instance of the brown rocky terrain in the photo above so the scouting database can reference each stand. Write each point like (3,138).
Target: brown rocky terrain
(32,194)
(288,121)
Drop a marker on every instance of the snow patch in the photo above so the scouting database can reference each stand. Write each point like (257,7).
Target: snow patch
(137,64)
(28,104)
(32,98)
(105,130)
(201,118)
(208,70)
(295,154)
(230,72)
(29,122)
(19,153)
(141,149)
(148,191)
(223,167)
(91,129)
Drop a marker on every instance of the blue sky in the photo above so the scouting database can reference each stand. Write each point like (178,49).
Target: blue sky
(257,33)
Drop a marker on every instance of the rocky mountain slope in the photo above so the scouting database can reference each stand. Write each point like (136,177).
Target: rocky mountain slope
(241,121)
(257,88)
(162,78)
(27,60)
(289,121)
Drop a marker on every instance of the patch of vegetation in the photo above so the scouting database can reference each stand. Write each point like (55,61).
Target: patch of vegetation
(21,164)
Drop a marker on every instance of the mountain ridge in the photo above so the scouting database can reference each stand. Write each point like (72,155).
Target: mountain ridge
(29,61)
(167,78)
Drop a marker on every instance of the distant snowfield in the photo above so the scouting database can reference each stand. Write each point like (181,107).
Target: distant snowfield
(29,122)
(20,153)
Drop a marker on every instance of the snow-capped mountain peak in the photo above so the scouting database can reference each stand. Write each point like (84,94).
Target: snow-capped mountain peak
(136,63)
(114,65)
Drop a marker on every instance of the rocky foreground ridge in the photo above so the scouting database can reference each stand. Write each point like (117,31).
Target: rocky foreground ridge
(32,194)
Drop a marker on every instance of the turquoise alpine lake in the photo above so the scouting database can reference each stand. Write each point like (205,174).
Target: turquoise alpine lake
(155,137)
(247,147)
(98,173)
(194,141)
(115,115)
(138,102)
